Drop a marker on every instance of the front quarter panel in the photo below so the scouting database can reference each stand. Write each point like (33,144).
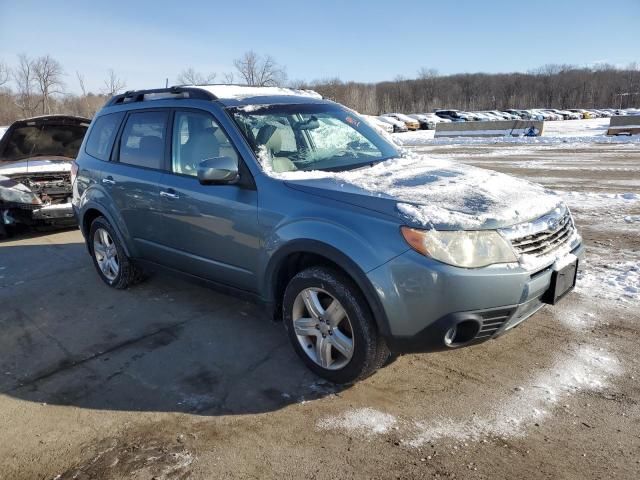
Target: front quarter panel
(295,221)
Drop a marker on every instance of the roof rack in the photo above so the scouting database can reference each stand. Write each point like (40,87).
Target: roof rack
(159,93)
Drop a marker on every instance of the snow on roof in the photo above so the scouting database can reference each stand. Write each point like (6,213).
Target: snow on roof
(244,91)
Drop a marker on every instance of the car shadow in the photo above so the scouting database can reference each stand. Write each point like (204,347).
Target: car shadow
(164,345)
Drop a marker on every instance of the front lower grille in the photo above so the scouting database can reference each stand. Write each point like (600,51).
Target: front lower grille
(556,231)
(492,321)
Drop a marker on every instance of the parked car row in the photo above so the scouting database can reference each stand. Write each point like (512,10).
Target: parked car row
(399,122)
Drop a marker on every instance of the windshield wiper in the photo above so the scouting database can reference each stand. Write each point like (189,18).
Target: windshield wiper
(356,166)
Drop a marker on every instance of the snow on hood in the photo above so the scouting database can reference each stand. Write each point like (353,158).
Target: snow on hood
(34,166)
(426,192)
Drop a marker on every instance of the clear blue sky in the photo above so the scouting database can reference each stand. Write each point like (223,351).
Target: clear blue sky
(146,41)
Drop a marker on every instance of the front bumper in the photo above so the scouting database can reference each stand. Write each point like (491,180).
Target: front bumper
(423,299)
(36,214)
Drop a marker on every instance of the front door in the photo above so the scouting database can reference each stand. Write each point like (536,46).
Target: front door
(210,230)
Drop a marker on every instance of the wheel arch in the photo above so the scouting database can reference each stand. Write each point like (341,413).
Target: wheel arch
(90,212)
(300,254)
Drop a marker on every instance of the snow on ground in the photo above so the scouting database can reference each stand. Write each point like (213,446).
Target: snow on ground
(365,421)
(588,368)
(558,132)
(611,280)
(2,130)
(584,368)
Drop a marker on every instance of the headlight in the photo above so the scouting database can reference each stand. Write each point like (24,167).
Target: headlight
(469,249)
(15,195)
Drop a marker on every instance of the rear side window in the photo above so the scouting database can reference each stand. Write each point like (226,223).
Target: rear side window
(143,140)
(102,134)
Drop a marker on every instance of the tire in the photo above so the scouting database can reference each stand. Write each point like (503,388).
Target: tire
(127,273)
(324,285)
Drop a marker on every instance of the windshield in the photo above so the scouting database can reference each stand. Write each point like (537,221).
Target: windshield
(311,137)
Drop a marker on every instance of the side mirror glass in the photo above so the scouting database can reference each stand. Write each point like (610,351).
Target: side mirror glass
(219,170)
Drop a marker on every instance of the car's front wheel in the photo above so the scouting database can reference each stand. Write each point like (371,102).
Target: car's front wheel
(331,327)
(109,258)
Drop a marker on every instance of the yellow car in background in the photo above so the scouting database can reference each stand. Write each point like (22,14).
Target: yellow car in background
(585,114)
(411,123)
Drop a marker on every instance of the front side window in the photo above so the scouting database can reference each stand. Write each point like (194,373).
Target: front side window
(310,137)
(143,140)
(102,135)
(197,137)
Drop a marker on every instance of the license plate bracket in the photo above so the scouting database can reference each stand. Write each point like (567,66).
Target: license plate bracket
(562,282)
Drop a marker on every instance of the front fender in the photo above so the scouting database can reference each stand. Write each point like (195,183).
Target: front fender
(348,249)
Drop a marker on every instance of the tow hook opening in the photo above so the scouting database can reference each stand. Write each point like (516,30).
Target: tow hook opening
(461,333)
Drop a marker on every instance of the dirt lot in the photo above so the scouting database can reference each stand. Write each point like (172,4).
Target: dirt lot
(170,380)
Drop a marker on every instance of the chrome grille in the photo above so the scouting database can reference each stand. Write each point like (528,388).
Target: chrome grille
(543,235)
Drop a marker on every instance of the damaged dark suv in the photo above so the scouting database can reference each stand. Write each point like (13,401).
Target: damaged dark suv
(36,156)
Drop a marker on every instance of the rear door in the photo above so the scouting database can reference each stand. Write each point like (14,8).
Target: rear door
(133,176)
(210,230)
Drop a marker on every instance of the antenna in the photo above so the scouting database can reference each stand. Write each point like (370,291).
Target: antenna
(166,82)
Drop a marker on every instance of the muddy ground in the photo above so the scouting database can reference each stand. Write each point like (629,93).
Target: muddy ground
(170,380)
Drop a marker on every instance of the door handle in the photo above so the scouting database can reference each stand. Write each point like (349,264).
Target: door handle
(108,181)
(169,194)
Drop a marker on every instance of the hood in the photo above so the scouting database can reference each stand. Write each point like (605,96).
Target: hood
(35,166)
(56,136)
(427,193)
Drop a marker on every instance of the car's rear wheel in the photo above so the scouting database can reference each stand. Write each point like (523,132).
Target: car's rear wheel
(109,258)
(331,327)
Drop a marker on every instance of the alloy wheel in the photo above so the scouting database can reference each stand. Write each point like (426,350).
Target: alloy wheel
(323,329)
(106,254)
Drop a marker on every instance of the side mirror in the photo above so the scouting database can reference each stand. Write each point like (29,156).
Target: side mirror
(219,170)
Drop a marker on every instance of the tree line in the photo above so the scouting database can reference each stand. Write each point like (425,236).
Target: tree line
(39,86)
(552,86)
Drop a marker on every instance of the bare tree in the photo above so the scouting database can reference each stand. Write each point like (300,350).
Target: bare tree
(190,76)
(4,73)
(113,84)
(228,77)
(48,76)
(85,94)
(260,71)
(24,78)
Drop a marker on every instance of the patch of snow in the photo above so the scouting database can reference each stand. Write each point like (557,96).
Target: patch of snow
(244,91)
(610,280)
(438,193)
(364,421)
(587,369)
(2,130)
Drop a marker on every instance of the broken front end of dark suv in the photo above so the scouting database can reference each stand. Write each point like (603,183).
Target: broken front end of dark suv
(36,156)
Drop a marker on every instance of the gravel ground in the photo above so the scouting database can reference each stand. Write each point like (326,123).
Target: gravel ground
(171,381)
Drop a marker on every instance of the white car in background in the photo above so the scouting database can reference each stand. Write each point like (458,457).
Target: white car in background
(565,114)
(435,118)
(398,126)
(546,115)
(378,124)
(504,115)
